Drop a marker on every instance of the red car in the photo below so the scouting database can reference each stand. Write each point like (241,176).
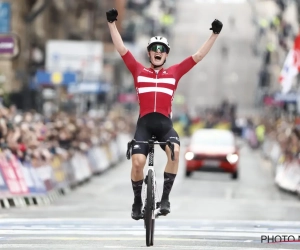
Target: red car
(212,150)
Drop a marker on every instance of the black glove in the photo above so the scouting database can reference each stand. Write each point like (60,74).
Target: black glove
(216,26)
(111,15)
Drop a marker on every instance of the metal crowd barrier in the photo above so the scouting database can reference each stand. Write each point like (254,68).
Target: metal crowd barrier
(27,183)
(286,172)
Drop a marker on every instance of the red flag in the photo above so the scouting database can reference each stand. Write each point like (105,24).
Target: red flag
(288,72)
(297,52)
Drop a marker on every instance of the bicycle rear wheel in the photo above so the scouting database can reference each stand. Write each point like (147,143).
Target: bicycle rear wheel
(149,209)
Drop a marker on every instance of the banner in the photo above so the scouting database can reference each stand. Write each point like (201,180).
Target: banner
(45,173)
(85,57)
(15,163)
(3,186)
(58,171)
(33,181)
(13,176)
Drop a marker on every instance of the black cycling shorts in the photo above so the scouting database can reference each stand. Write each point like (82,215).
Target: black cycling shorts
(153,124)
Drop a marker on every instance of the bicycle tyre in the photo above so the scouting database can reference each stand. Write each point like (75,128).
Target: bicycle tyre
(152,232)
(153,218)
(149,208)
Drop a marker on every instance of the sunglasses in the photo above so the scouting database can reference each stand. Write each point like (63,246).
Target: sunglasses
(159,47)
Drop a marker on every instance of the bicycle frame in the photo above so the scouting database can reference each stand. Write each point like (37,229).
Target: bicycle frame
(151,167)
(151,143)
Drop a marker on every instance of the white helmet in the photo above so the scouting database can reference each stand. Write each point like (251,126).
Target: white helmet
(159,40)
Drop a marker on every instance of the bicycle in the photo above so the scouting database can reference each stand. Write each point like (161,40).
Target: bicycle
(151,205)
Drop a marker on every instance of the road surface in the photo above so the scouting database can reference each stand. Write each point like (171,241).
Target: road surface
(209,211)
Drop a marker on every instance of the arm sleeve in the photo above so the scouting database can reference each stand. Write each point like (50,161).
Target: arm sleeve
(130,62)
(182,68)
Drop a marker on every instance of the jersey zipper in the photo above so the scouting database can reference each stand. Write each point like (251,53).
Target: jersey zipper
(155,95)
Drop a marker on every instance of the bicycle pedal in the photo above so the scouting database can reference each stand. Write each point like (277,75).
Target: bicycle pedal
(159,214)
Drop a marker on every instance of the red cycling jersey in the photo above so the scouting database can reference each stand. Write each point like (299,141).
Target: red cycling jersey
(156,90)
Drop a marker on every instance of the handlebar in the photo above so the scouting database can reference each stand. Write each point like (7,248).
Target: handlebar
(150,142)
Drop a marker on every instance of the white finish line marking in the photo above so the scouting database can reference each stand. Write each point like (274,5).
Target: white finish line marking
(233,235)
(59,238)
(73,246)
(44,221)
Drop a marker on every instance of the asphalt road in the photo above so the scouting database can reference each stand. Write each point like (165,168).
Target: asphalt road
(209,211)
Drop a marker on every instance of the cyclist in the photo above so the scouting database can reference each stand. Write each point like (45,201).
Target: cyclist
(155,88)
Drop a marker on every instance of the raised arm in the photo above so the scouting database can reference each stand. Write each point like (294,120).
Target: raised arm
(115,35)
(187,64)
(205,48)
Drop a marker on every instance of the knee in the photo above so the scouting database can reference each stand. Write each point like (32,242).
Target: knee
(138,163)
(176,156)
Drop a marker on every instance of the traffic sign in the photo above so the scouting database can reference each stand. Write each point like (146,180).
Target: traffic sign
(5,17)
(9,46)
(6,45)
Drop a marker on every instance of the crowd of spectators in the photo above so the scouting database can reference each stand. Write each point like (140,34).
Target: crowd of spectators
(284,130)
(281,127)
(275,36)
(150,18)
(222,116)
(30,136)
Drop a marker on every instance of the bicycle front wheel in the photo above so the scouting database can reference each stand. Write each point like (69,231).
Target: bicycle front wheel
(149,209)
(152,232)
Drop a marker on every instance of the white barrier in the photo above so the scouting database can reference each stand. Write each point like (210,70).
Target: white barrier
(288,176)
(98,159)
(275,152)
(44,183)
(102,159)
(114,150)
(80,167)
(271,150)
(266,147)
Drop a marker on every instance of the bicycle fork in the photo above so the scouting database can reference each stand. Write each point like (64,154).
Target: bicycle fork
(155,203)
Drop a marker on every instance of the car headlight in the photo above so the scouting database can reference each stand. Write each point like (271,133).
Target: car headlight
(189,156)
(232,158)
